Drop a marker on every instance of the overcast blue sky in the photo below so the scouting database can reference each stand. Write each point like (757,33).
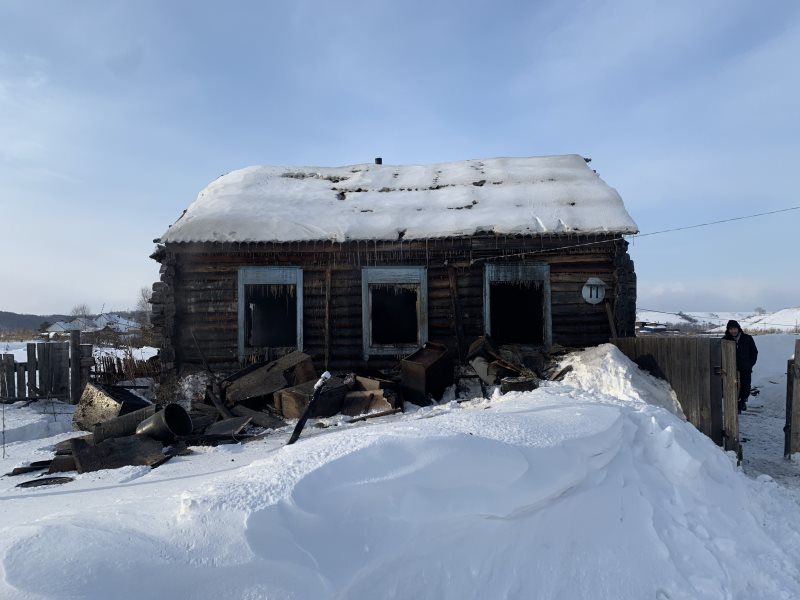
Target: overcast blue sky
(114,115)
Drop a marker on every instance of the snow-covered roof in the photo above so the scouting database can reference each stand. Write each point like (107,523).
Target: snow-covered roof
(116,322)
(548,194)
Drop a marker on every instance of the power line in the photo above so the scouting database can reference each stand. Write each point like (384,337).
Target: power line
(742,218)
(634,236)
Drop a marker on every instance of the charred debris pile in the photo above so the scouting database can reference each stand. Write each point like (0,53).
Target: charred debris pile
(128,429)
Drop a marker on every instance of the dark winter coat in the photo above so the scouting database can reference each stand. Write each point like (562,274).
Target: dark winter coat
(746,351)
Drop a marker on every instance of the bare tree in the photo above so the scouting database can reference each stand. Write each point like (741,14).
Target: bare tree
(760,310)
(80,310)
(143,306)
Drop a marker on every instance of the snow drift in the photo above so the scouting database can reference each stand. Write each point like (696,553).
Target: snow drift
(559,493)
(607,370)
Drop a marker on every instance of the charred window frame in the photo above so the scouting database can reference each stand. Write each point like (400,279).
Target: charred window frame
(387,290)
(268,276)
(535,276)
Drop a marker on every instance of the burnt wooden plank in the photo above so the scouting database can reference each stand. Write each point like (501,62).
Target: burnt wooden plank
(795,395)
(31,368)
(114,453)
(730,395)
(74,366)
(7,375)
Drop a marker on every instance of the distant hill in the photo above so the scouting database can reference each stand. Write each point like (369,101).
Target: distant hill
(786,320)
(10,321)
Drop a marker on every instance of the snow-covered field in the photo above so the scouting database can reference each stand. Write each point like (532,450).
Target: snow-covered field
(582,489)
(785,320)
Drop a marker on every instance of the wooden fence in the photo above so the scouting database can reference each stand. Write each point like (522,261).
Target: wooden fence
(58,370)
(792,429)
(702,371)
(111,369)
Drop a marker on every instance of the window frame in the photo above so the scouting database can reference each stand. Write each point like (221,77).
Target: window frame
(269,276)
(511,272)
(393,275)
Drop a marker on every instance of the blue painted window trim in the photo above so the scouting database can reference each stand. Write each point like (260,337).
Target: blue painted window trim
(519,272)
(398,275)
(270,276)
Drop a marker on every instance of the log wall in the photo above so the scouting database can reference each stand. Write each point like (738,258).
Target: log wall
(198,292)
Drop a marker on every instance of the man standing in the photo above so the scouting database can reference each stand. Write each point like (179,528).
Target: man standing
(746,356)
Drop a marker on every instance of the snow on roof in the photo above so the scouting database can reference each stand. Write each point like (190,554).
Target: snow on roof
(548,194)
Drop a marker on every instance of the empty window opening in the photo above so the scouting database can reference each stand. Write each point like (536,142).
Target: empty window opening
(517,312)
(270,309)
(516,304)
(394,314)
(394,310)
(270,315)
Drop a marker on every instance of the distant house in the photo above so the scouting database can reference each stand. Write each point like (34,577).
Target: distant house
(83,324)
(108,321)
(362,264)
(116,323)
(58,327)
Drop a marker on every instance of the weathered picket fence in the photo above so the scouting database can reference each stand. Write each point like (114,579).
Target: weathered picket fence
(111,369)
(57,370)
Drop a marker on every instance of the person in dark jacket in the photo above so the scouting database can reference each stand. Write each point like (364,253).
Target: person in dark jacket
(746,356)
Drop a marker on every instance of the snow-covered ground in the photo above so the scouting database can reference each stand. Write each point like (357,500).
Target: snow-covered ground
(21,421)
(785,320)
(761,426)
(582,489)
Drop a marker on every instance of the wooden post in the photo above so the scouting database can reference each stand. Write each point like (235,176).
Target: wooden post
(21,381)
(328,324)
(3,383)
(715,390)
(456,308)
(730,396)
(43,352)
(59,370)
(8,375)
(74,366)
(86,364)
(610,314)
(795,427)
(31,366)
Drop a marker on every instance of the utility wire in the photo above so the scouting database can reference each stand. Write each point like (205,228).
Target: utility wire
(742,218)
(634,236)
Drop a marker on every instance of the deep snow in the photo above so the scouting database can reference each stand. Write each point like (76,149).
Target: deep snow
(541,194)
(566,492)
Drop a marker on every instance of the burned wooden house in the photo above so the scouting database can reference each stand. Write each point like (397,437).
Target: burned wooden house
(360,265)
